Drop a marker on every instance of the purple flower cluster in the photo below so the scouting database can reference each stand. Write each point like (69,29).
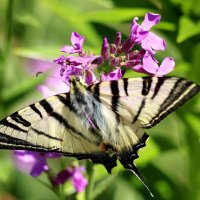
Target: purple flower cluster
(34,163)
(136,53)
(82,65)
(76,176)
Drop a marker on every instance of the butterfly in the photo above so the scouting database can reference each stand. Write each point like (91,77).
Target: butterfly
(103,122)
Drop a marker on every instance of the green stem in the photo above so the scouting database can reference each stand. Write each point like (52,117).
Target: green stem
(5,54)
(61,193)
(90,187)
(9,27)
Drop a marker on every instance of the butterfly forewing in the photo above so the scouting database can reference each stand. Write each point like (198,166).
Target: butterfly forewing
(48,126)
(146,101)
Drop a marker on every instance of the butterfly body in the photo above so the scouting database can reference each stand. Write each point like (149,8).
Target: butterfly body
(103,122)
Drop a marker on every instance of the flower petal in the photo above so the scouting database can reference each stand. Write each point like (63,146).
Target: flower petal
(39,167)
(60,60)
(78,181)
(77,40)
(62,177)
(128,44)
(134,26)
(139,68)
(52,155)
(150,20)
(152,43)
(114,75)
(104,49)
(166,66)
(141,35)
(89,78)
(118,39)
(149,64)
(46,92)
(68,49)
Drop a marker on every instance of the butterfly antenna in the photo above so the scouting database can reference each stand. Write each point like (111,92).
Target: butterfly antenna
(135,170)
(45,74)
(38,74)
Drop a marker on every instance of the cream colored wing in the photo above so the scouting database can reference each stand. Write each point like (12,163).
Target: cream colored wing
(58,124)
(145,101)
(140,103)
(102,122)
(48,125)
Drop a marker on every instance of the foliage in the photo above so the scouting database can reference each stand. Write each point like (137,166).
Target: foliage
(37,29)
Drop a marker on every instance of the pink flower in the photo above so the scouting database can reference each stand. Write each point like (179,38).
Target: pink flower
(117,40)
(89,77)
(114,75)
(31,162)
(76,176)
(141,34)
(150,65)
(105,49)
(118,56)
(77,42)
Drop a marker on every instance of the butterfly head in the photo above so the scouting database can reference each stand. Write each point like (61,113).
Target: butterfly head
(76,84)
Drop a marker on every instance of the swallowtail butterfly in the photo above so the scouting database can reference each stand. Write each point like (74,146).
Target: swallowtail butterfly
(103,122)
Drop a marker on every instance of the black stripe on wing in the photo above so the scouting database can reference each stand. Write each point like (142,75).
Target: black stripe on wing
(182,91)
(39,132)
(115,98)
(159,83)
(10,142)
(6,123)
(142,105)
(125,80)
(19,119)
(48,108)
(146,85)
(67,102)
(7,139)
(36,110)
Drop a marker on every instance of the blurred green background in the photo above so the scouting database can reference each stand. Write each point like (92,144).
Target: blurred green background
(35,30)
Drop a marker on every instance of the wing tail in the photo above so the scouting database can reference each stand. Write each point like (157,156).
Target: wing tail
(127,157)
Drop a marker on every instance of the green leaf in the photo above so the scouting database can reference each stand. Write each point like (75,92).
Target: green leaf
(5,167)
(115,15)
(188,7)
(126,190)
(18,91)
(102,185)
(166,26)
(75,19)
(175,165)
(194,122)
(187,29)
(39,52)
(27,19)
(148,153)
